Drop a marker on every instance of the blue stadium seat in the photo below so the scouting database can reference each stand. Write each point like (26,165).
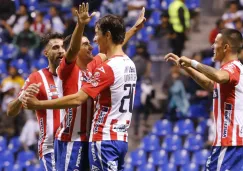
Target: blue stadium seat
(158,157)
(15,167)
(150,143)
(154,4)
(3,144)
(21,65)
(197,110)
(137,157)
(131,50)
(7,158)
(184,127)
(145,34)
(40,63)
(207,61)
(162,128)
(200,157)
(154,19)
(32,4)
(202,127)
(180,157)
(193,4)
(190,167)
(168,167)
(34,168)
(8,51)
(146,167)
(3,67)
(128,167)
(165,4)
(14,144)
(193,143)
(24,157)
(172,143)
(95,50)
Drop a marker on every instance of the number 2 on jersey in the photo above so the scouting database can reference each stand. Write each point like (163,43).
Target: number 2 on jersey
(130,88)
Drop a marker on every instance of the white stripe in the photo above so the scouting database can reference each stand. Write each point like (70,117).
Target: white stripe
(98,145)
(69,153)
(58,84)
(49,112)
(44,162)
(219,119)
(53,162)
(221,157)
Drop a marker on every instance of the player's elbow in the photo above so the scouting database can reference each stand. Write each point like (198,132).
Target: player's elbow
(11,112)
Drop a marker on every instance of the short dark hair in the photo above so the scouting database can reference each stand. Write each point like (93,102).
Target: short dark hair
(45,39)
(233,38)
(115,25)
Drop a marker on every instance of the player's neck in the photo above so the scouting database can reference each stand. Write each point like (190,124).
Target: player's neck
(230,57)
(82,65)
(52,69)
(114,50)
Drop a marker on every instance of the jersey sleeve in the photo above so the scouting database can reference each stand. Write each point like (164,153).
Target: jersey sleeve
(234,73)
(99,80)
(64,69)
(94,63)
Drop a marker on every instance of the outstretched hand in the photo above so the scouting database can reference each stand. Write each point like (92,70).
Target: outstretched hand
(141,20)
(172,57)
(83,14)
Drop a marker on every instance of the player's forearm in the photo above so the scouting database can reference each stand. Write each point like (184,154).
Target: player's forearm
(14,107)
(69,101)
(129,34)
(213,74)
(200,79)
(75,43)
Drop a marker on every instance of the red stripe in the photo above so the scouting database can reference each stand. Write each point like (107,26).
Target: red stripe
(83,122)
(125,134)
(112,133)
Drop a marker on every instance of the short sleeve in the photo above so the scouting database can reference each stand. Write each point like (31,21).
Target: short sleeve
(64,69)
(94,63)
(99,80)
(30,80)
(234,73)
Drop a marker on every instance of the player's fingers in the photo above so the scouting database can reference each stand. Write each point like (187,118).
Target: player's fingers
(76,13)
(87,7)
(80,8)
(142,12)
(39,84)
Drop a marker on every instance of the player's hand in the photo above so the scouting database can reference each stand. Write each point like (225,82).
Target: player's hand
(185,61)
(141,20)
(172,57)
(83,14)
(33,89)
(30,102)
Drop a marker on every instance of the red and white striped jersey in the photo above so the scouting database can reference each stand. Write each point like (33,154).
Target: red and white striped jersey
(228,108)
(113,82)
(76,124)
(49,120)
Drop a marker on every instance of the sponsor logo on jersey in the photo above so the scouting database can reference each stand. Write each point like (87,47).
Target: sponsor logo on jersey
(93,151)
(52,92)
(230,67)
(100,119)
(120,128)
(79,157)
(94,168)
(68,122)
(215,93)
(112,166)
(227,115)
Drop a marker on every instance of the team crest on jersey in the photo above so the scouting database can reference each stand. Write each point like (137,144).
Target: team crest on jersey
(69,118)
(101,69)
(112,166)
(52,92)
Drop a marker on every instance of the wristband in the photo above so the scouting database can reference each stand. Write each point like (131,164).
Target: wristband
(21,96)
(194,64)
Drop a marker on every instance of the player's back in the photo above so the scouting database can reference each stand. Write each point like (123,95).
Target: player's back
(115,103)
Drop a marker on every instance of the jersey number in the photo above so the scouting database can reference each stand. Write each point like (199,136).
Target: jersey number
(129,97)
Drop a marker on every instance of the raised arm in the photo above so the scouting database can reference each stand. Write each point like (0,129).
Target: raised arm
(198,77)
(137,26)
(83,19)
(219,76)
(70,101)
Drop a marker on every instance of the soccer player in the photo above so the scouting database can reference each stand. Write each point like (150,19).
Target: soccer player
(226,85)
(46,86)
(113,82)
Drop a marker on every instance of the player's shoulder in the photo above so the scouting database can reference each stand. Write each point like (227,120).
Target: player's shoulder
(233,66)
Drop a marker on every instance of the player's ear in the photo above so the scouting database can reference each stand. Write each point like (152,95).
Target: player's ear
(226,46)
(108,34)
